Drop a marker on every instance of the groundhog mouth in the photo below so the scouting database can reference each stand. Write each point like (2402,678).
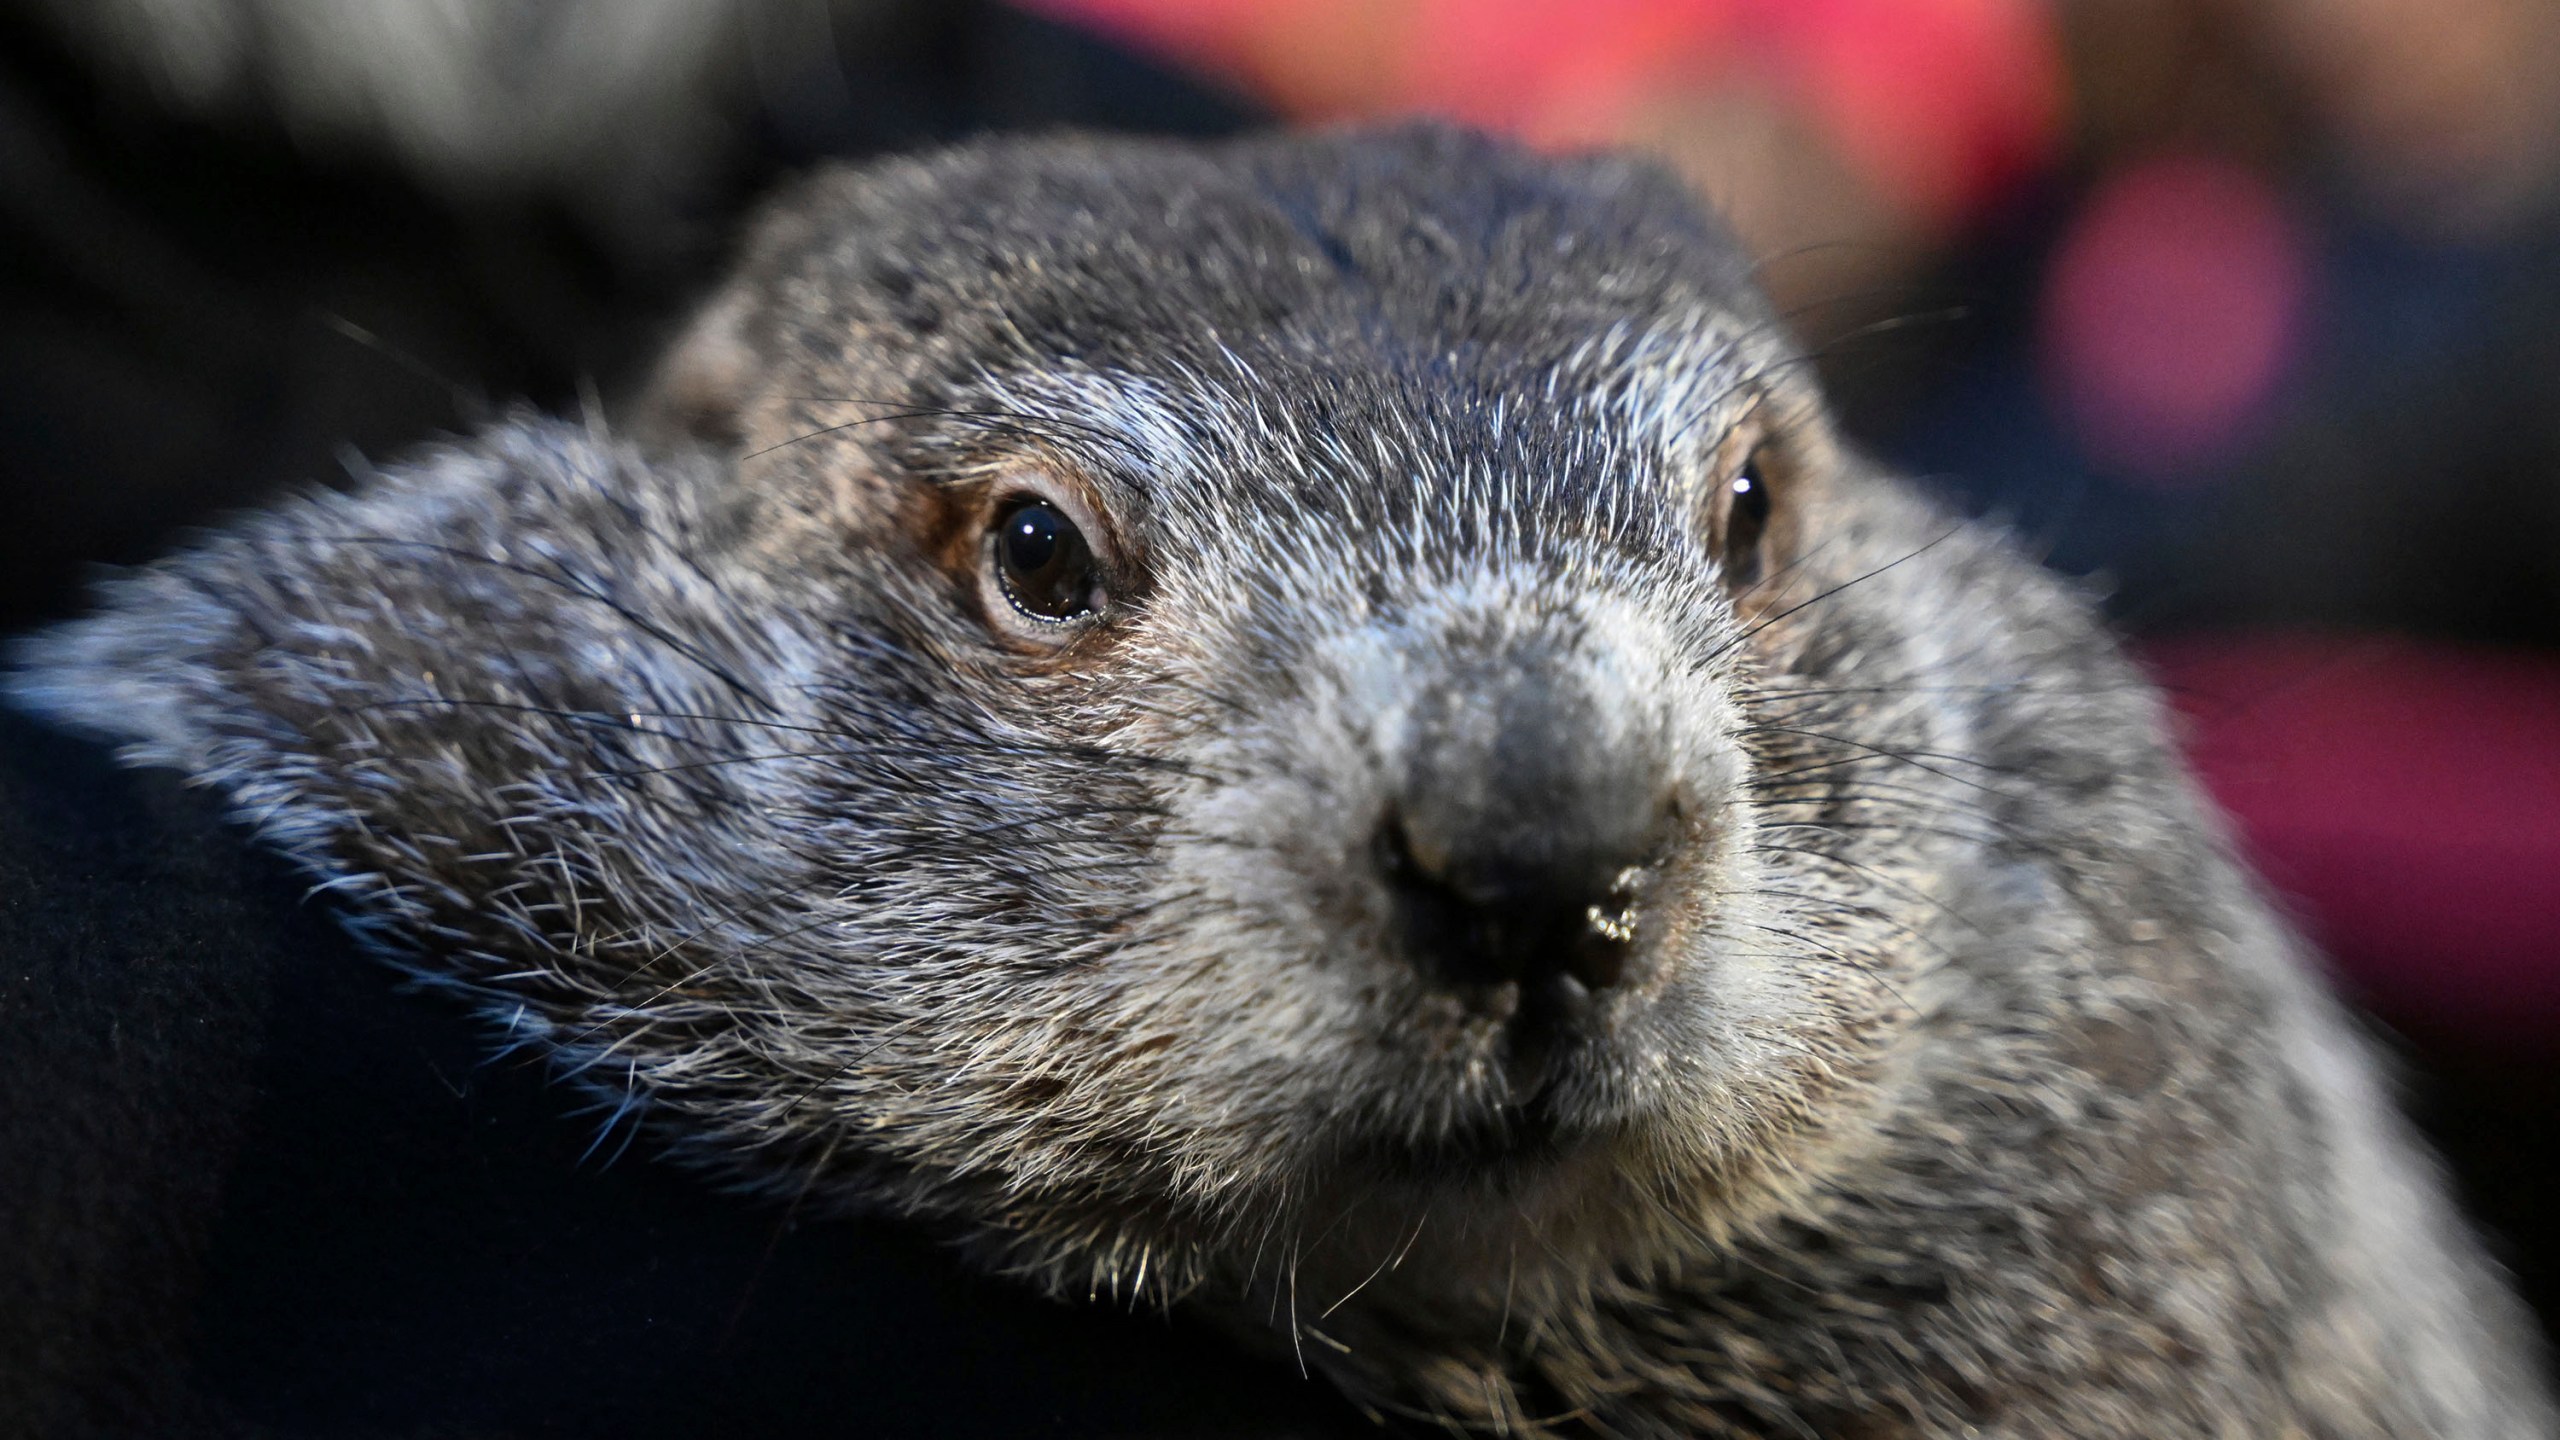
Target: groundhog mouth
(1546,1025)
(1527,1065)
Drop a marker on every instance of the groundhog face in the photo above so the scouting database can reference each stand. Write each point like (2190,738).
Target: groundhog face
(1206,715)
(1353,602)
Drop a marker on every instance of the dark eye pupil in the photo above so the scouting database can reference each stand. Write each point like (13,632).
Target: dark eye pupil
(1044,562)
(1031,539)
(1750,498)
(1746,518)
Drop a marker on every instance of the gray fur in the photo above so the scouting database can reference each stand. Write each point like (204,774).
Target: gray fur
(1964,1085)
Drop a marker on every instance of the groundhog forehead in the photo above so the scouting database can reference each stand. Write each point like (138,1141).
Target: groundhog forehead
(1136,255)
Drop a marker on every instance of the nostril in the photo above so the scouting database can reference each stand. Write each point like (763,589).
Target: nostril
(1433,921)
(1506,923)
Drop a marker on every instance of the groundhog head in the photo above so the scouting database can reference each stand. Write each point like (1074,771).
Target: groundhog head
(1214,717)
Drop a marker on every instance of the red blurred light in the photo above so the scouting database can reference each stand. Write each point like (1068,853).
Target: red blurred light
(2406,799)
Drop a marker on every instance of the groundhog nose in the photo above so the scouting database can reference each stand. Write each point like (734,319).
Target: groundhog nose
(1511,849)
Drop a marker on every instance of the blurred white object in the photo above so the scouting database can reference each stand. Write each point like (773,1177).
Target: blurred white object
(605,103)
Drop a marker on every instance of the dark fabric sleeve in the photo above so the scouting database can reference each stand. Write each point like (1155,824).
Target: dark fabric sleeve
(256,1185)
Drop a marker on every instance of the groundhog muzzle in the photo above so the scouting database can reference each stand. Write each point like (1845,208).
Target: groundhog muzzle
(1322,730)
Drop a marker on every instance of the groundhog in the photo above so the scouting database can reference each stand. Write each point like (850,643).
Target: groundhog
(1323,730)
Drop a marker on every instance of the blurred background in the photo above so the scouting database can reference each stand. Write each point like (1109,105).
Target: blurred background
(2247,310)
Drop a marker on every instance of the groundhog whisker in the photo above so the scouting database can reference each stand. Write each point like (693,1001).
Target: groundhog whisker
(858,743)
(1761,262)
(1888,324)
(1762,624)
(1998,834)
(1916,759)
(1898,827)
(869,864)
(868,749)
(1750,379)
(1831,777)
(1868,968)
(579,586)
(1841,803)
(1780,696)
(1230,703)
(1917,896)
(1834,800)
(1779,688)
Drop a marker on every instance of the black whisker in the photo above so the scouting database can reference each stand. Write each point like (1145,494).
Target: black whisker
(1768,620)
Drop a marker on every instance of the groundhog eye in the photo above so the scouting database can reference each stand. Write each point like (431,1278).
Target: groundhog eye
(1047,569)
(1746,520)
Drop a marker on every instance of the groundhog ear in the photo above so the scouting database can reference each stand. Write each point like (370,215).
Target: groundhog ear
(469,573)
(703,383)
